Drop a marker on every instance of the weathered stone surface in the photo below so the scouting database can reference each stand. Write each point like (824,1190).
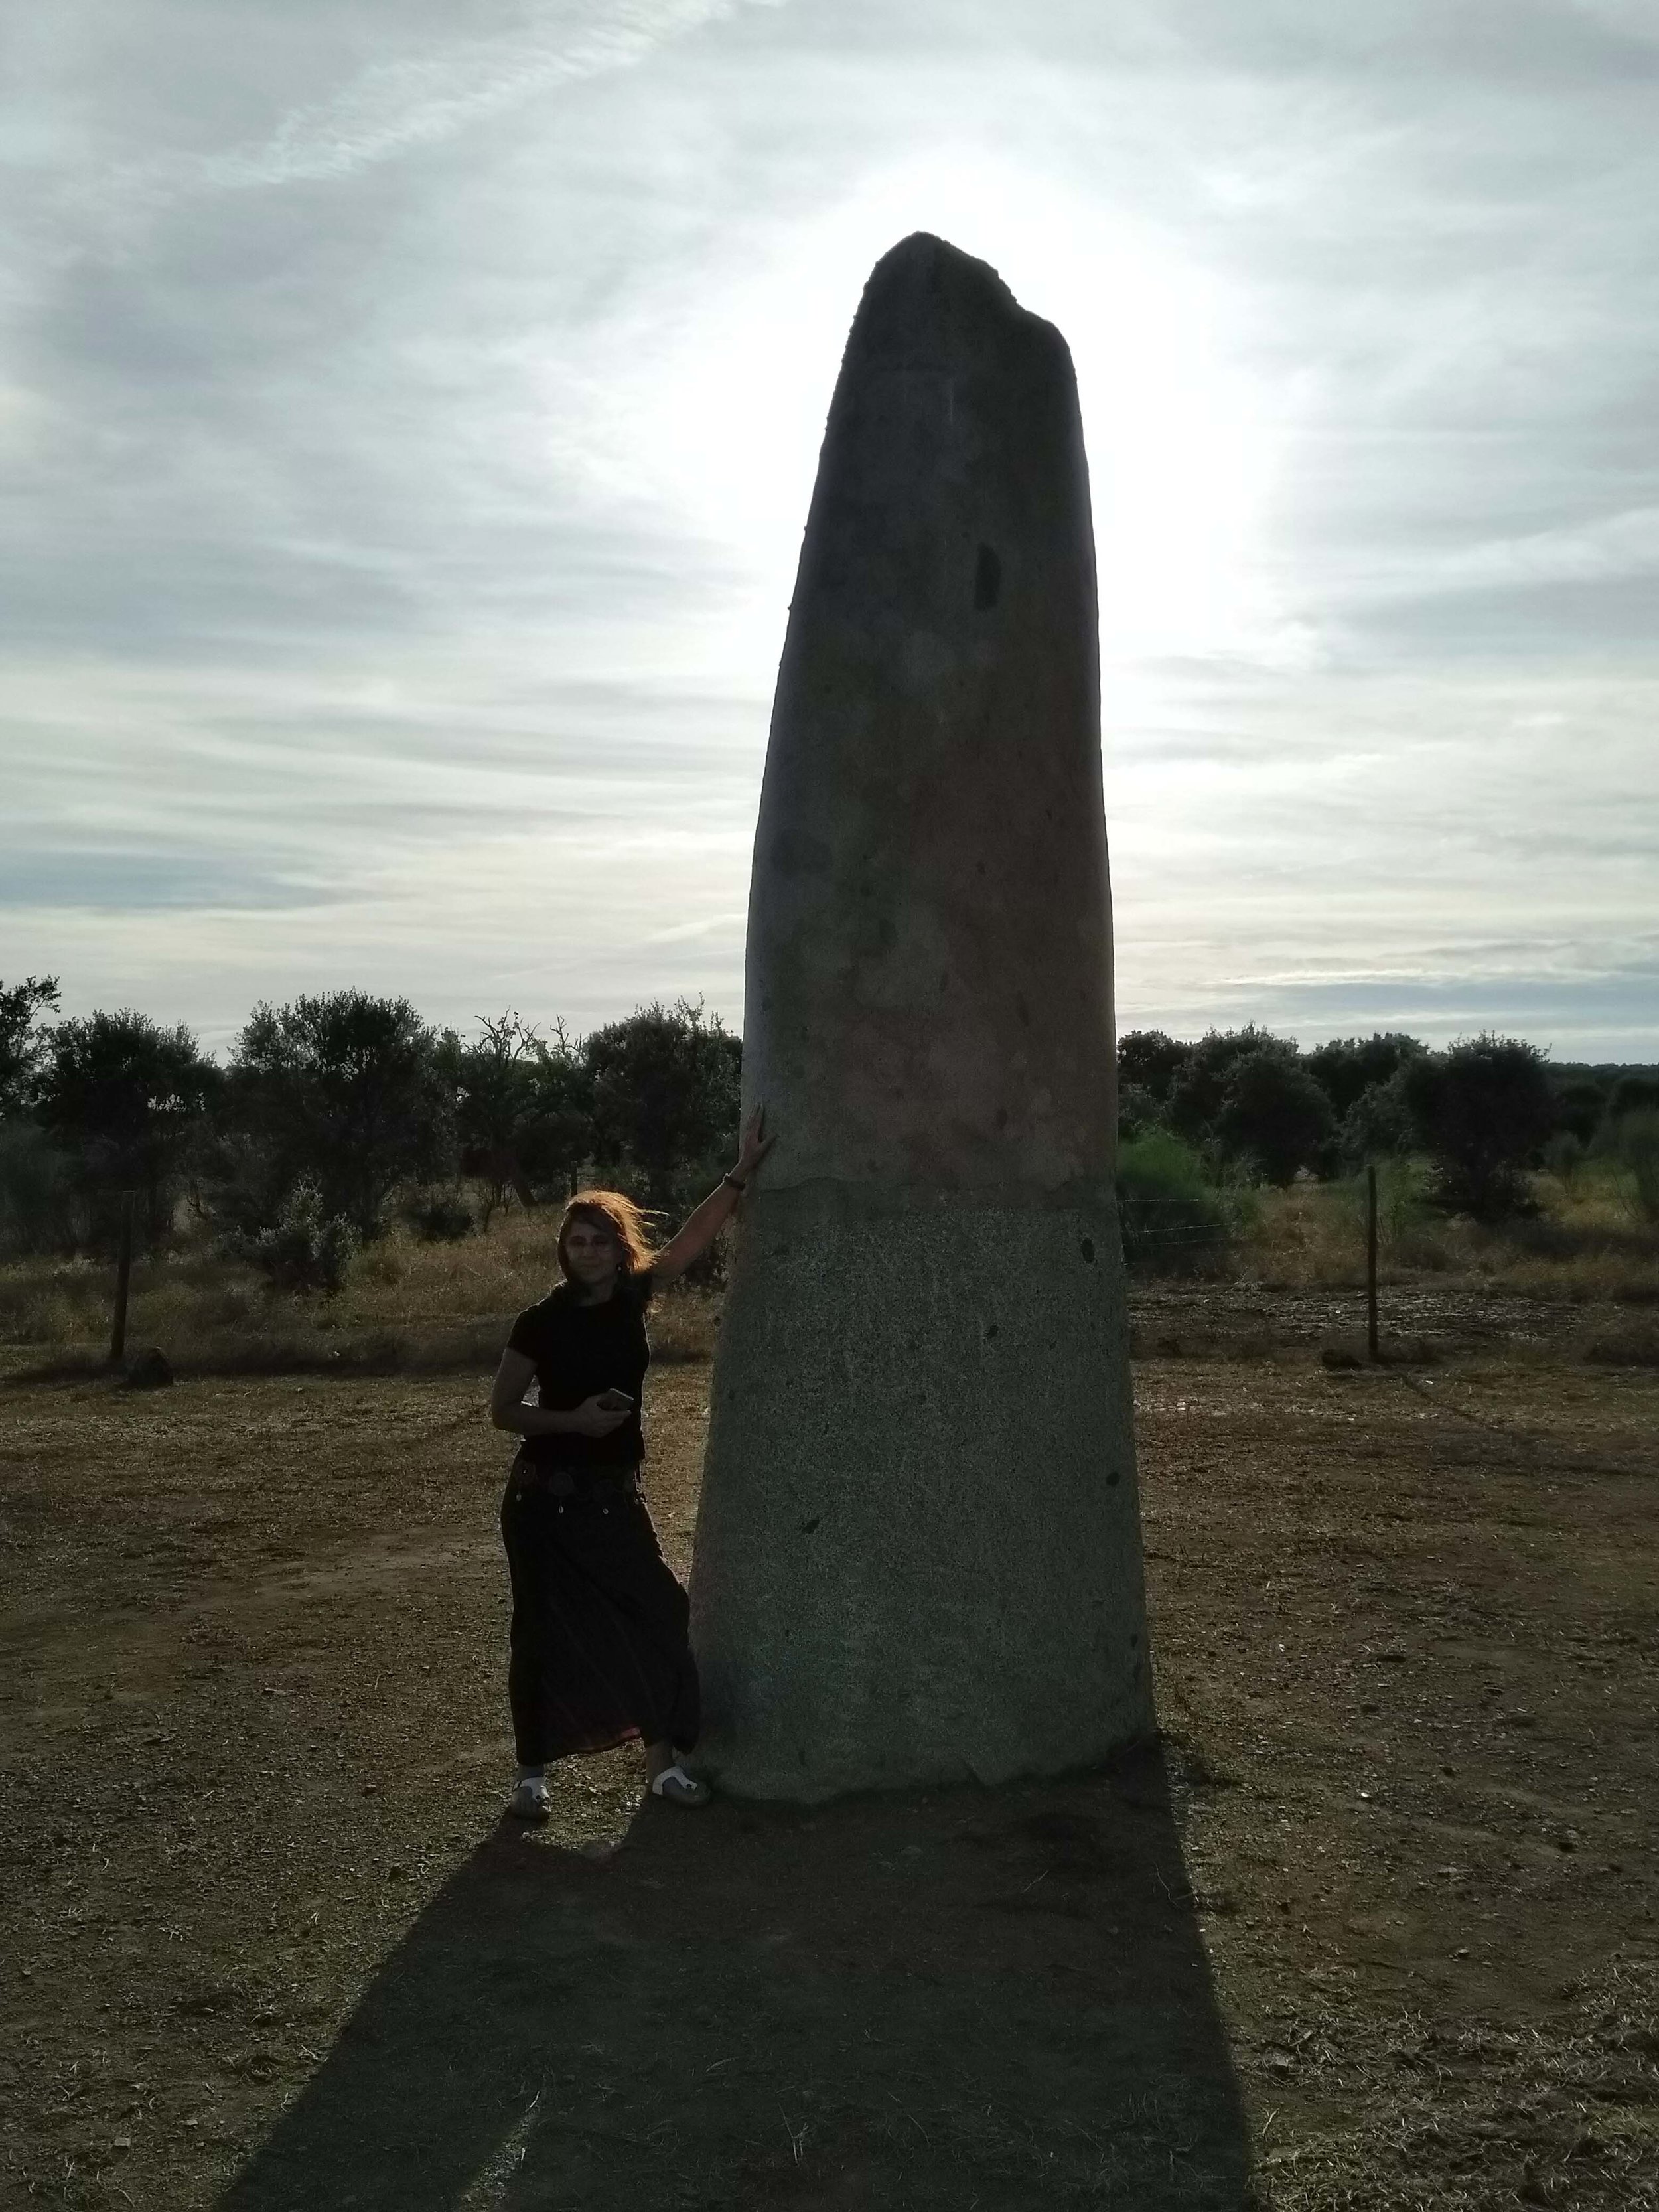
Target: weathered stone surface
(919,1555)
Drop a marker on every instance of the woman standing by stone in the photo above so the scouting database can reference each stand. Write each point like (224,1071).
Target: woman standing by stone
(599,1654)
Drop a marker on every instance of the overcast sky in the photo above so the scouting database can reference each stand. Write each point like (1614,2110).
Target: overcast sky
(408,414)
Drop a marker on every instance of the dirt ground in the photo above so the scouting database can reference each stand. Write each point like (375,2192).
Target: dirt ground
(1373,1928)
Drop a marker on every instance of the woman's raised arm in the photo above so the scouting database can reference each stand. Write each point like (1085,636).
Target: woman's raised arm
(701,1226)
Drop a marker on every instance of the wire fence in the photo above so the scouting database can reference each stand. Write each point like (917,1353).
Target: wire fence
(1147,1230)
(1187,1244)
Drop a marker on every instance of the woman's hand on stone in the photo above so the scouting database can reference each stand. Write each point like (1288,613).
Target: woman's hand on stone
(591,1418)
(755,1145)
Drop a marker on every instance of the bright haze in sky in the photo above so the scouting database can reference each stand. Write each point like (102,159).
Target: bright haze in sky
(408,416)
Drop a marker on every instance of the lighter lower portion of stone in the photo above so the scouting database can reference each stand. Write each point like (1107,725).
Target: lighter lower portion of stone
(918,1555)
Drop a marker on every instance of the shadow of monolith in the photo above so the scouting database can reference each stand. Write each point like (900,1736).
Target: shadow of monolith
(963,1996)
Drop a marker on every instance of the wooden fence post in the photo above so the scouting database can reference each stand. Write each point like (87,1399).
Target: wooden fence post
(118,1342)
(1371,1261)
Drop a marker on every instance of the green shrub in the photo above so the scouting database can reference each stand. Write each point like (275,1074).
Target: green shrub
(128,1102)
(1149,1061)
(1564,1155)
(1174,1218)
(304,1250)
(1635,1092)
(1198,1091)
(1378,1126)
(1347,1067)
(1138,1112)
(345,1091)
(523,1109)
(1273,1114)
(664,1095)
(38,1205)
(1404,1208)
(1485,1109)
(24,1040)
(1580,1104)
(1635,1145)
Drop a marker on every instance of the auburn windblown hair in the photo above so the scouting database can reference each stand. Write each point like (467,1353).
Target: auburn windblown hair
(612,1210)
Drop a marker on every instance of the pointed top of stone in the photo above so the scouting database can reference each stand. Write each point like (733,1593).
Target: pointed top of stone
(928,304)
(928,997)
(926,258)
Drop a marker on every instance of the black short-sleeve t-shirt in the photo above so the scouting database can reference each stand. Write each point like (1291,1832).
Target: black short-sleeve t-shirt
(578,1350)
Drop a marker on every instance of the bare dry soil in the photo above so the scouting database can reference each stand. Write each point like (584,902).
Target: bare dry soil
(1373,1927)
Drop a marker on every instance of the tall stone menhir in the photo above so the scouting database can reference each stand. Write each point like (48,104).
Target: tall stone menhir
(918,1553)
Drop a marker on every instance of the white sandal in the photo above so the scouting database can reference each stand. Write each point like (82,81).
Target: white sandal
(678,1788)
(530,1801)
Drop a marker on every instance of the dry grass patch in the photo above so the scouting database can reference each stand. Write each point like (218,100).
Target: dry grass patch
(1623,1344)
(410,1306)
(406,1306)
(1484,2113)
(1588,1242)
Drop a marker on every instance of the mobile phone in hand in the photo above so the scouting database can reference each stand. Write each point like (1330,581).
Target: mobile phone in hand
(615,1401)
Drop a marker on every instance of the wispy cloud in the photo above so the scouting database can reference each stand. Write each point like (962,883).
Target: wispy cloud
(1624,545)
(392,108)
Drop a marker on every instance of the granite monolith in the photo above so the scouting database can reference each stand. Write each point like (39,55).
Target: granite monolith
(918,1553)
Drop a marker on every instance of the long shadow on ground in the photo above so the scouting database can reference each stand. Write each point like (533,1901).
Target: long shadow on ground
(969,1997)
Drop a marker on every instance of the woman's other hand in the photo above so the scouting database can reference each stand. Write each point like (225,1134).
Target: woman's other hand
(593,1418)
(755,1145)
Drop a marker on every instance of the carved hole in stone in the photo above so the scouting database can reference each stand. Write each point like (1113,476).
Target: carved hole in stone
(991,1330)
(987,579)
(1112,1482)
(807,1527)
(1087,1248)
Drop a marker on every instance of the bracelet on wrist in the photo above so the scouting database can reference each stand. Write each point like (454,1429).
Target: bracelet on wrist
(734,1182)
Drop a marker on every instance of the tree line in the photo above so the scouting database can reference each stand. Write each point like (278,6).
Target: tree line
(337,1116)
(1484,1111)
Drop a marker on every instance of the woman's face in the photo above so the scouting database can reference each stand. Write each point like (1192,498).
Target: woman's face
(591,1254)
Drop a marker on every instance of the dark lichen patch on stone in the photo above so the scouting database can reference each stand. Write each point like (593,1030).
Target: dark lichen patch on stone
(987,579)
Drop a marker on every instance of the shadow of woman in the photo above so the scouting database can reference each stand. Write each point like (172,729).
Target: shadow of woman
(965,1996)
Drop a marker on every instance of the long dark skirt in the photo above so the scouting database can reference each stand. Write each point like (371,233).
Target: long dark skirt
(600,1654)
